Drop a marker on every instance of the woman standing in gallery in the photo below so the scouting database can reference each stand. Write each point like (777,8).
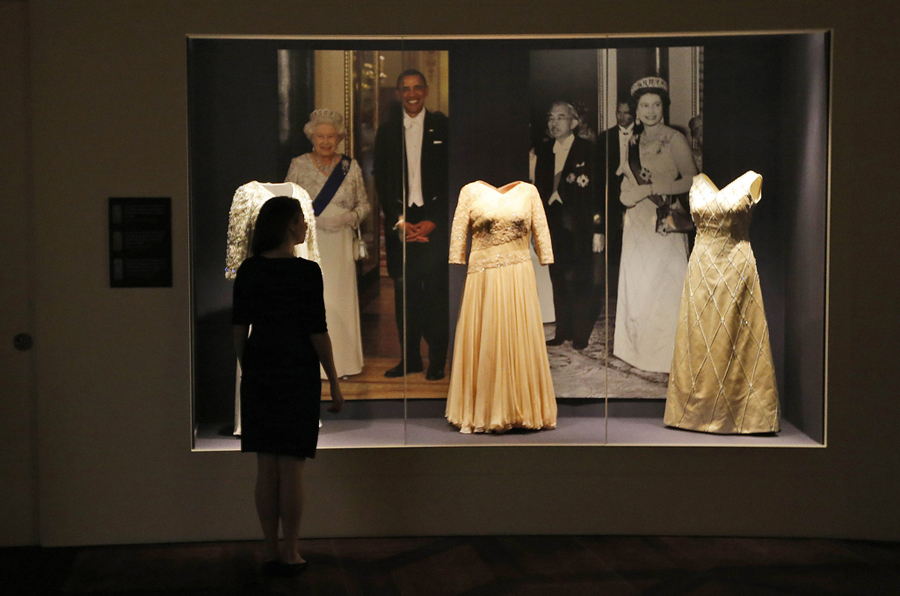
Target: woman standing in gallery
(658,167)
(281,297)
(340,203)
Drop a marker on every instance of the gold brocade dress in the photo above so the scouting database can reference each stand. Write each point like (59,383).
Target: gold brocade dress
(501,375)
(723,378)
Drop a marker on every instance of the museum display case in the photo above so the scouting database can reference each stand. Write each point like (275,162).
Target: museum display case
(729,104)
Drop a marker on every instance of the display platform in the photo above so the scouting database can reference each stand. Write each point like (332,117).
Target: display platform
(376,424)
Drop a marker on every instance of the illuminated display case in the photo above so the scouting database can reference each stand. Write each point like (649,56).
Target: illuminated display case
(741,102)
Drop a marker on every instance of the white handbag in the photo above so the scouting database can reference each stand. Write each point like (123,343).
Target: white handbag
(360,250)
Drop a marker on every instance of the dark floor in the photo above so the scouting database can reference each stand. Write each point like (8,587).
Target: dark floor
(474,566)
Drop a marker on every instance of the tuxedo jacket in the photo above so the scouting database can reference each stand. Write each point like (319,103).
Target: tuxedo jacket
(391,186)
(581,196)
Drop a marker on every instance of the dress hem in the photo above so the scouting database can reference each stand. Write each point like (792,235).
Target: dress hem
(777,429)
(468,429)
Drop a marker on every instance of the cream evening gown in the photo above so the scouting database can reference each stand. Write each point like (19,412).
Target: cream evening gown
(651,272)
(501,375)
(723,378)
(338,264)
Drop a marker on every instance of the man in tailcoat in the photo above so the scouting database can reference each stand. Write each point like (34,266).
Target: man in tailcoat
(613,145)
(411,178)
(565,176)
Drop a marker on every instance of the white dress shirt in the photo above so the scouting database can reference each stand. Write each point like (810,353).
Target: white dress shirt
(624,139)
(414,129)
(561,154)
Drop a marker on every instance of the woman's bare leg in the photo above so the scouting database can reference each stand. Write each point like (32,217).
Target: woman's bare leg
(290,471)
(267,495)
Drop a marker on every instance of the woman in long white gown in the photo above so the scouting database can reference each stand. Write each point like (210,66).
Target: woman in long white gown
(335,183)
(654,263)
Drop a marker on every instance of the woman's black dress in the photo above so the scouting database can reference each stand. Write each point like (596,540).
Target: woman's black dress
(280,385)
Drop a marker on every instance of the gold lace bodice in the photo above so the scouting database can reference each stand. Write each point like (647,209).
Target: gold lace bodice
(502,221)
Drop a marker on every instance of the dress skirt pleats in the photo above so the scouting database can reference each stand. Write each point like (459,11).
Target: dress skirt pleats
(501,374)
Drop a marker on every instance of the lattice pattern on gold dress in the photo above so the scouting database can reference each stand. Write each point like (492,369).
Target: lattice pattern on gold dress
(722,378)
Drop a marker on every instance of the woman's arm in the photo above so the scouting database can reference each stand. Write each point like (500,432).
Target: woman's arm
(362,207)
(354,187)
(319,336)
(240,312)
(322,344)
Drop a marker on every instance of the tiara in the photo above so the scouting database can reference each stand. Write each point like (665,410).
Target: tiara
(326,114)
(650,83)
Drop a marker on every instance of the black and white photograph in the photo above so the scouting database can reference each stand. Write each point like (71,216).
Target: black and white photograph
(606,122)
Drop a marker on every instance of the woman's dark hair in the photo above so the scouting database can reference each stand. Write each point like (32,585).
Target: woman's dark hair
(272,223)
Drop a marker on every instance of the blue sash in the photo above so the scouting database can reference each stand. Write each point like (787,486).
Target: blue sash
(331,185)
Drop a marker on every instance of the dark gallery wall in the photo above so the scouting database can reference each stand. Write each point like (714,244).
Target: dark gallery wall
(18,424)
(111,388)
(803,146)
